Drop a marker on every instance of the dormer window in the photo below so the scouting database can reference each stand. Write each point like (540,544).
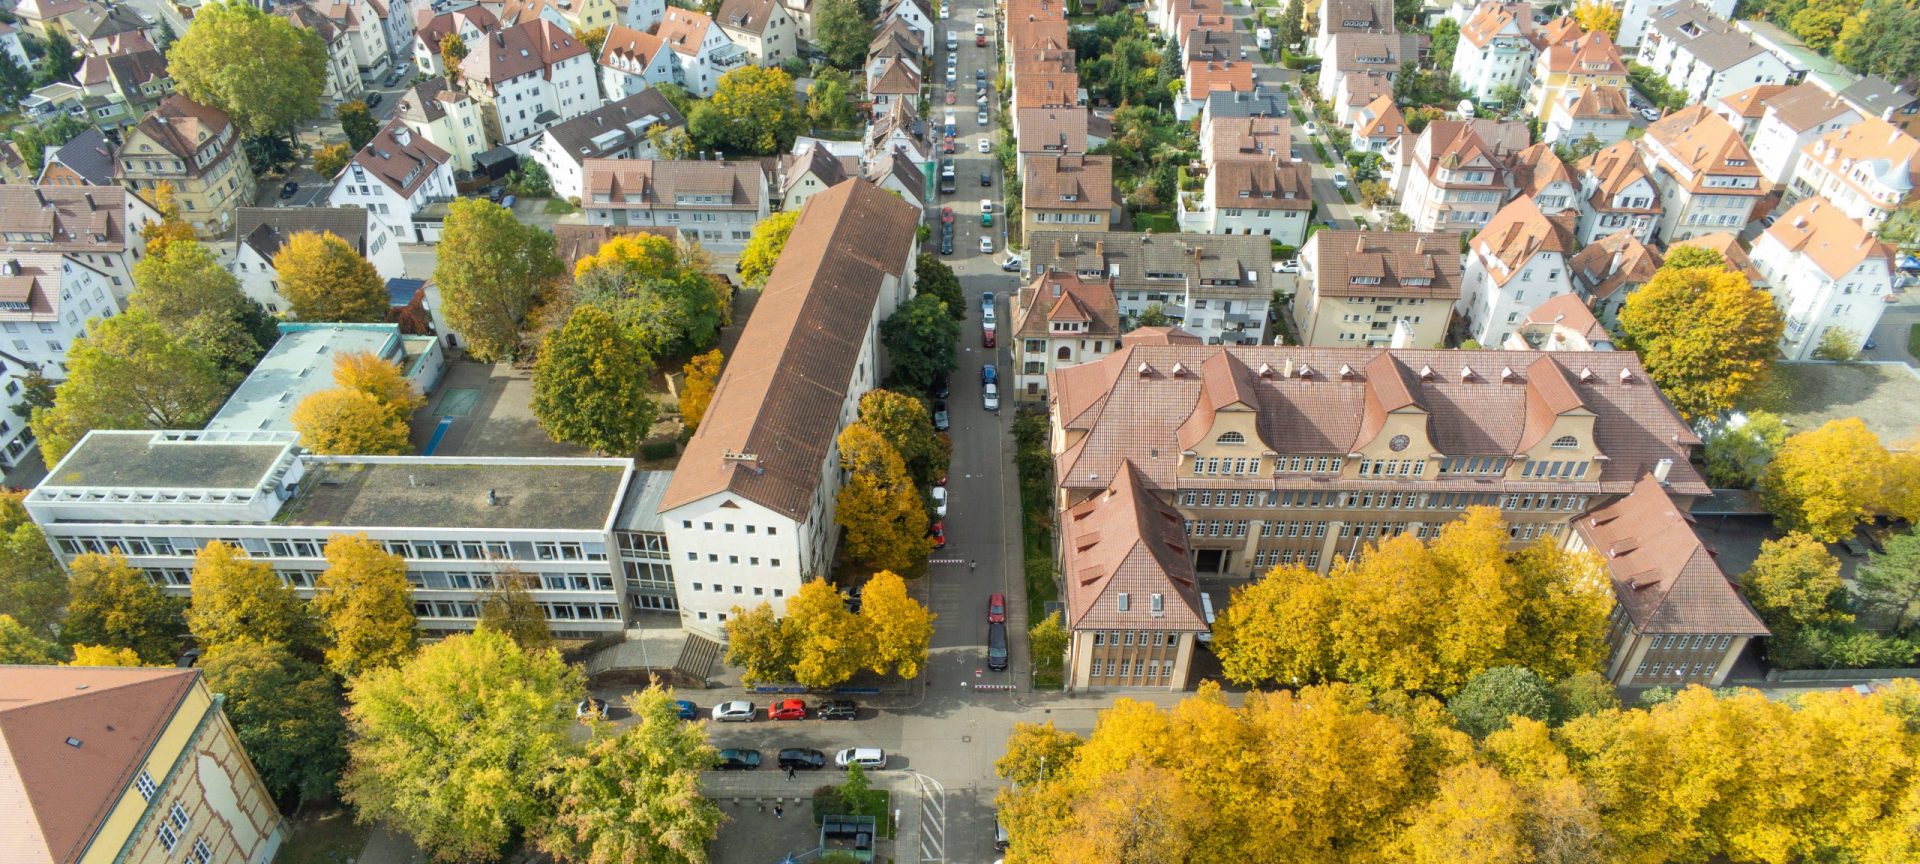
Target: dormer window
(1566,442)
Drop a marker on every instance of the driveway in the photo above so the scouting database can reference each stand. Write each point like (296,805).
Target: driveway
(1890,335)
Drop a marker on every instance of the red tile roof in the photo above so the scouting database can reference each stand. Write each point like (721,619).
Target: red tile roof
(1663,576)
(1127,543)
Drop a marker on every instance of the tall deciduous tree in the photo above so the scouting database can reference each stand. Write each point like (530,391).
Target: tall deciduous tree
(187,291)
(932,276)
(764,247)
(365,606)
(366,415)
(236,597)
(759,645)
(1793,584)
(114,605)
(1483,706)
(325,279)
(660,293)
(899,627)
(902,420)
(33,588)
(760,108)
(1890,580)
(881,510)
(920,338)
(1826,480)
(1707,336)
(842,32)
(633,794)
(1276,629)
(20,646)
(101,655)
(329,160)
(286,711)
(261,69)
(1047,642)
(453,49)
(1475,815)
(830,99)
(451,747)
(1034,750)
(509,608)
(590,384)
(700,376)
(1598,16)
(829,643)
(357,121)
(1738,457)
(490,268)
(128,372)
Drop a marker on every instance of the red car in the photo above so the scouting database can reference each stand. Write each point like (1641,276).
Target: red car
(787,709)
(946,215)
(947,147)
(997,608)
(939,535)
(980,40)
(950,98)
(986,338)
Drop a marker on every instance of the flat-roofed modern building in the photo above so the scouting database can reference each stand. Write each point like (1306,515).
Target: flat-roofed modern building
(158,497)
(301,362)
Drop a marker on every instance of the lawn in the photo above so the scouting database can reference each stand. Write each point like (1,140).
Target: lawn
(877,803)
(330,837)
(560,207)
(1913,341)
(1161,223)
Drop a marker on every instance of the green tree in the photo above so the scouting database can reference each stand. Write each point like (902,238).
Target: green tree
(452,746)
(33,588)
(286,712)
(365,606)
(490,269)
(356,119)
(36,140)
(1292,27)
(325,279)
(328,161)
(829,643)
(633,795)
(1880,38)
(1509,97)
(1047,641)
(1737,457)
(904,423)
(114,605)
(59,62)
(1825,481)
(899,627)
(263,70)
(1794,584)
(920,338)
(1819,23)
(764,247)
(1483,706)
(660,293)
(1445,39)
(531,180)
(1890,580)
(759,108)
(1707,336)
(1837,343)
(842,32)
(759,646)
(184,288)
(1152,316)
(21,646)
(881,510)
(236,598)
(933,277)
(590,384)
(830,99)
(699,378)
(1586,693)
(509,609)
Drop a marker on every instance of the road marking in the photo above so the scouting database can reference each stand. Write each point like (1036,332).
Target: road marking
(933,818)
(946,560)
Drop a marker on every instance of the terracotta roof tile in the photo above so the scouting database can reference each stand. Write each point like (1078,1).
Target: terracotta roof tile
(1053,130)
(1804,106)
(1611,263)
(1068,182)
(400,158)
(1832,240)
(1055,297)
(1126,544)
(1663,576)
(1751,103)
(1409,264)
(1517,233)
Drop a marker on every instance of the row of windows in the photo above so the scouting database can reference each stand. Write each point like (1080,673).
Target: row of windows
(758,591)
(174,827)
(1216,527)
(1691,643)
(305,548)
(648,574)
(638,544)
(1392,467)
(728,527)
(1554,469)
(1307,464)
(1370,530)
(1217,465)
(442,580)
(554,611)
(714,558)
(1277,557)
(1384,500)
(1293,529)
(1129,668)
(1474,465)
(1674,670)
(1142,638)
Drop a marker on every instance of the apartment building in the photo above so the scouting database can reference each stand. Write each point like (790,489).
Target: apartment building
(896,83)
(1609,269)
(1828,274)
(1253,184)
(1298,455)
(575,16)
(1867,170)
(260,232)
(368,36)
(633,61)
(1217,287)
(1498,44)
(1455,181)
(1352,16)
(1049,131)
(1744,110)
(1069,192)
(1362,67)
(1378,125)
(447,116)
(1705,174)
(395,176)
(118,89)
(749,512)
(1600,113)
(1573,61)
(150,770)
(762,28)
(1703,56)
(472,24)
(1517,261)
(1563,323)
(1060,320)
(1377,289)
(616,130)
(1676,620)
(1540,175)
(1634,15)
(194,148)
(1792,120)
(702,52)
(529,77)
(714,203)
(1617,193)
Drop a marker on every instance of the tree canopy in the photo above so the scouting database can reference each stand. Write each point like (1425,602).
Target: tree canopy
(759,108)
(365,606)
(366,415)
(263,70)
(1706,335)
(590,384)
(490,269)
(700,376)
(828,642)
(235,598)
(920,338)
(902,420)
(325,279)
(20,646)
(1825,481)
(898,627)
(509,608)
(33,588)
(286,712)
(661,294)
(184,288)
(933,277)
(842,32)
(128,372)
(764,247)
(115,606)
(879,506)
(632,795)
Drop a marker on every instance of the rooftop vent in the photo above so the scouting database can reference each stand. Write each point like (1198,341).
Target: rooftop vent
(1466,373)
(1144,369)
(1179,370)
(1266,370)
(1586,375)
(1346,371)
(1626,375)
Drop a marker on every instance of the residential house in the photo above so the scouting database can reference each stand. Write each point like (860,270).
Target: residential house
(365,23)
(1372,288)
(1055,131)
(1703,56)
(1609,269)
(899,174)
(1745,109)
(96,27)
(750,508)
(702,51)
(12,48)
(1563,323)
(193,147)
(1516,261)
(896,38)
(1497,47)
(399,17)
(1599,113)
(1352,16)
(616,130)
(39,17)
(1793,120)
(1239,103)
(1068,193)
(1217,287)
(713,203)
(120,88)
(260,232)
(801,11)
(396,175)
(447,116)
(1060,320)
(87,160)
(1874,96)
(1362,68)
(471,23)
(576,16)
(917,14)
(1455,181)
(1634,15)
(1572,62)
(150,769)
(896,84)
(1211,68)
(343,83)
(1867,170)
(1829,275)
(762,28)
(1706,177)
(1617,193)
(810,170)
(1539,174)
(1253,184)
(644,15)
(1381,124)
(529,77)
(898,132)
(1676,621)
(633,61)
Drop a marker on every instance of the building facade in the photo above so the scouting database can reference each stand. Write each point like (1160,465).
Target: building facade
(395,177)
(1217,287)
(1364,288)
(195,149)
(1516,262)
(1867,170)
(1060,320)
(714,203)
(1706,176)
(1830,277)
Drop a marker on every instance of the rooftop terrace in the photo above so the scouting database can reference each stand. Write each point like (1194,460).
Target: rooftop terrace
(580,496)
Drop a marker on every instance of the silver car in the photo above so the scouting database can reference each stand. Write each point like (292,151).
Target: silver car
(736,711)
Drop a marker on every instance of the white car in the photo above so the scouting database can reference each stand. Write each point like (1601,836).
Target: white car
(952,76)
(986,205)
(986,245)
(986,146)
(940,502)
(737,711)
(944,13)
(1651,114)
(1291,265)
(1339,180)
(991,398)
(869,758)
(1311,129)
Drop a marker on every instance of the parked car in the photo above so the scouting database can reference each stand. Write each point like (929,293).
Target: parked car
(952,98)
(989,374)
(787,709)
(1291,265)
(941,419)
(986,146)
(288,189)
(509,201)
(991,398)
(997,645)
(733,759)
(986,245)
(986,220)
(988,337)
(953,76)
(997,608)
(590,707)
(980,40)
(1651,114)
(946,239)
(736,711)
(1312,129)
(685,710)
(986,300)
(982,118)
(940,501)
(1001,839)
(939,534)
(373,100)
(839,709)
(948,146)
(1011,265)
(946,215)
(940,389)
(986,205)
(870,758)
(802,759)
(397,76)
(1339,180)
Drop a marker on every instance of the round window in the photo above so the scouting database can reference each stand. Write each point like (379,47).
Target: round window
(1398,443)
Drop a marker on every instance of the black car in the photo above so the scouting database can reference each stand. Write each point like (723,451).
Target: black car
(837,709)
(288,188)
(803,759)
(941,389)
(986,178)
(737,760)
(946,239)
(373,100)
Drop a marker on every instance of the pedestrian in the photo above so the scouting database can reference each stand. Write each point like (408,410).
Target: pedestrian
(973,563)
(779,811)
(789,773)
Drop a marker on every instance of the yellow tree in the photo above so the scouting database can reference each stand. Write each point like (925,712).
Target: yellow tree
(760,109)
(342,422)
(1277,629)
(114,604)
(236,597)
(170,226)
(828,642)
(1707,336)
(904,422)
(898,626)
(1793,584)
(758,645)
(881,510)
(1826,480)
(701,375)
(1476,815)
(1598,16)
(381,379)
(328,161)
(764,247)
(1562,824)
(1140,814)
(1392,612)
(102,655)
(1037,751)
(365,606)
(453,49)
(325,279)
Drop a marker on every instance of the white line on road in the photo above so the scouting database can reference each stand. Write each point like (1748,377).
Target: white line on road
(933,818)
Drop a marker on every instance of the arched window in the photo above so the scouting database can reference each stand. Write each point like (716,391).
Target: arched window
(1230,438)
(1066,353)
(1566,442)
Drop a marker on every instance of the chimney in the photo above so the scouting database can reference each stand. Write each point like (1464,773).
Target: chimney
(1359,243)
(1660,470)
(1100,249)
(1056,248)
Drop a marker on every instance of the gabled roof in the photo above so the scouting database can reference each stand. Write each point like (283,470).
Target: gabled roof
(1262,184)
(1874,147)
(1407,264)
(1493,19)
(1537,168)
(1706,143)
(1804,106)
(266,229)
(897,79)
(1707,37)
(531,46)
(809,159)
(683,30)
(1570,312)
(615,126)
(1728,245)
(1125,543)
(72,740)
(181,126)
(1514,235)
(1598,103)
(438,27)
(1663,577)
(1211,76)
(400,158)
(1055,297)
(748,16)
(1068,182)
(1052,130)
(1751,103)
(653,183)
(1357,16)
(426,101)
(89,155)
(627,46)
(1832,240)
(1613,169)
(1587,54)
(1257,138)
(64,218)
(900,168)
(776,409)
(1387,121)
(1611,263)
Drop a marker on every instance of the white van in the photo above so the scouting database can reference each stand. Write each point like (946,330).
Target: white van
(1206,610)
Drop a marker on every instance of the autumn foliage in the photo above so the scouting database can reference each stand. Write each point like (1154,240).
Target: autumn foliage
(366,415)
